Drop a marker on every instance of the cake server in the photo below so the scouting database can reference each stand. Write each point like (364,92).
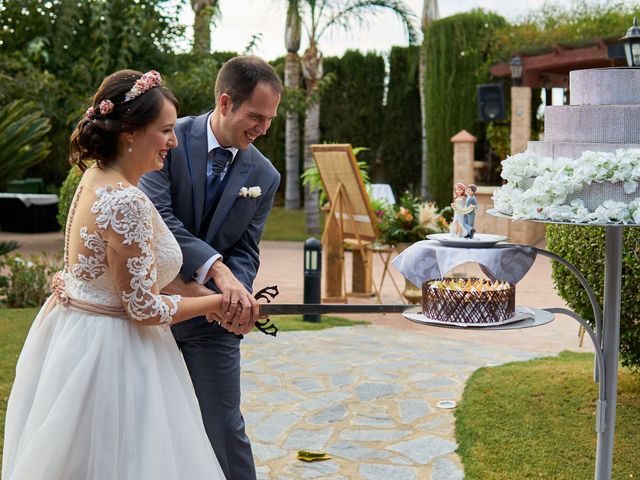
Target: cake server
(269,293)
(328,308)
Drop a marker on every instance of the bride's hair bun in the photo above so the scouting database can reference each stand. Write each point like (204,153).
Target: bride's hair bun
(114,110)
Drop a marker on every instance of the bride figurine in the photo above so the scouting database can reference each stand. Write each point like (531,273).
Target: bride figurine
(101,390)
(460,209)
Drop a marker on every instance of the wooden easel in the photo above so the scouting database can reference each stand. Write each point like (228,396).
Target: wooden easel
(350,223)
(333,241)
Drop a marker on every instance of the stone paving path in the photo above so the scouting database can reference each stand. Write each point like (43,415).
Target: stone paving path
(366,395)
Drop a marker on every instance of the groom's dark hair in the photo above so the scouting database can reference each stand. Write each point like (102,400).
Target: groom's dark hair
(239,76)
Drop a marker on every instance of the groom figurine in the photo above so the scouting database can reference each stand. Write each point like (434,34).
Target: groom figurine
(218,226)
(470,218)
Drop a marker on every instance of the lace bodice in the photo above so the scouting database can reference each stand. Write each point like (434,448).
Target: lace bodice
(119,251)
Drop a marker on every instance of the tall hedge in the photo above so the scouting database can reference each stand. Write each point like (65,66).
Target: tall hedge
(401,149)
(351,109)
(272,144)
(584,247)
(458,59)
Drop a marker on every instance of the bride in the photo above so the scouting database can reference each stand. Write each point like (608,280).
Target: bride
(101,391)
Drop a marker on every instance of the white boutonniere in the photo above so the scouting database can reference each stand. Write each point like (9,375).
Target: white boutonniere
(251,192)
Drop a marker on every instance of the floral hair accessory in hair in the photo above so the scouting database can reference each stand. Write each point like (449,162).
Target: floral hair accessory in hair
(146,82)
(89,114)
(105,107)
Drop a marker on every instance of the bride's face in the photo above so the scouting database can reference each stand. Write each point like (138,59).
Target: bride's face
(154,141)
(458,191)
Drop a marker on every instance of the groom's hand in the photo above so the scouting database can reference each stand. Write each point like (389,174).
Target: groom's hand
(239,309)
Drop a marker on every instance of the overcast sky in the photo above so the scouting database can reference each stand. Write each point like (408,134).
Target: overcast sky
(241,19)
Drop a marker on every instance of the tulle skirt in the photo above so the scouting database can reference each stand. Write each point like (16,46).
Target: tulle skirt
(100,398)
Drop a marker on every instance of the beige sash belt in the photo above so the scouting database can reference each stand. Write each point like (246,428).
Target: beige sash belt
(87,307)
(60,297)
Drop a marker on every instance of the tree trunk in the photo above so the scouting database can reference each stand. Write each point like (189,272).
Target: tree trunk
(312,71)
(424,177)
(292,137)
(311,136)
(203,11)
(430,12)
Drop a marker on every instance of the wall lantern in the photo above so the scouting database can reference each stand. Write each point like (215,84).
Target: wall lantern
(516,70)
(632,44)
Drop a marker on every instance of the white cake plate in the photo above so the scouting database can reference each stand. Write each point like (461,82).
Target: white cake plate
(479,240)
(524,317)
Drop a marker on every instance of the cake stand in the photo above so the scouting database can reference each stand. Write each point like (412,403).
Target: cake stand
(606,338)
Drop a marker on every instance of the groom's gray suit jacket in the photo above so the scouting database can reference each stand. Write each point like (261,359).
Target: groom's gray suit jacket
(178,191)
(212,354)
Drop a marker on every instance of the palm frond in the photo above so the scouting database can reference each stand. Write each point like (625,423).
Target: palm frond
(360,10)
(23,131)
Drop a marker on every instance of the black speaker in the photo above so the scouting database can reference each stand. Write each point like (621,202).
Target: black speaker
(491,102)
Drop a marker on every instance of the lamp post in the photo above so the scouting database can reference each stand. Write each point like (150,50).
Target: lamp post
(516,70)
(632,44)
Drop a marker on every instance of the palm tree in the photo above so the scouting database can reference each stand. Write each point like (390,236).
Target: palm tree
(204,11)
(430,12)
(292,126)
(319,16)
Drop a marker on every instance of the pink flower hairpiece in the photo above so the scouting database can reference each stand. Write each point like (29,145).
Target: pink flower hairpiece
(105,108)
(146,82)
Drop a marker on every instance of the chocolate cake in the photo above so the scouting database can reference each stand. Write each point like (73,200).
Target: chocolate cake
(468,300)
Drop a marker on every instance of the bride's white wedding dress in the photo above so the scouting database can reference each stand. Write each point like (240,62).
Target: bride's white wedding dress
(98,394)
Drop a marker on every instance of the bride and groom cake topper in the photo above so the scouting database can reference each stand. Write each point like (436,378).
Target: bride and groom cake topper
(464,207)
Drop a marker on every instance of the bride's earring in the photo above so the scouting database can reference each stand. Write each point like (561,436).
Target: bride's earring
(130,149)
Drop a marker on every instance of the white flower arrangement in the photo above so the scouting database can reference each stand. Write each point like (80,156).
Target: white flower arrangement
(250,192)
(538,187)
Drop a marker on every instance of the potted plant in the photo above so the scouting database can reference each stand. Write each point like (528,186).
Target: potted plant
(408,221)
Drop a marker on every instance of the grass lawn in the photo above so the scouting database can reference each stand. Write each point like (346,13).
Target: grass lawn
(536,419)
(289,323)
(15,323)
(286,225)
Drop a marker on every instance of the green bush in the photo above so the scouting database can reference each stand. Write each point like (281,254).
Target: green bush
(584,247)
(67,191)
(351,110)
(7,246)
(458,53)
(26,283)
(401,149)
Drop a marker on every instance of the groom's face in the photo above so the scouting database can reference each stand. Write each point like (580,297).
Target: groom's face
(242,124)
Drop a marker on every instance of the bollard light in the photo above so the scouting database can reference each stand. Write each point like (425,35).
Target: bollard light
(312,275)
(632,44)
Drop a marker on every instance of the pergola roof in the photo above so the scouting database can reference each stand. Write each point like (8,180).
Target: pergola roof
(552,69)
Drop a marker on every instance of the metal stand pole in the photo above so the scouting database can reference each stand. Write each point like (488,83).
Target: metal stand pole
(610,344)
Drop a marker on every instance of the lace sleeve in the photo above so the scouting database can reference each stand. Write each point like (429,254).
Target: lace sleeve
(125,216)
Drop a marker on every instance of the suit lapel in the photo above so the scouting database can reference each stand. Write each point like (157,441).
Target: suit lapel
(196,149)
(238,176)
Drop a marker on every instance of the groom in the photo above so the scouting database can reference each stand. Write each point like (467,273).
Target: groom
(218,226)
(470,218)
